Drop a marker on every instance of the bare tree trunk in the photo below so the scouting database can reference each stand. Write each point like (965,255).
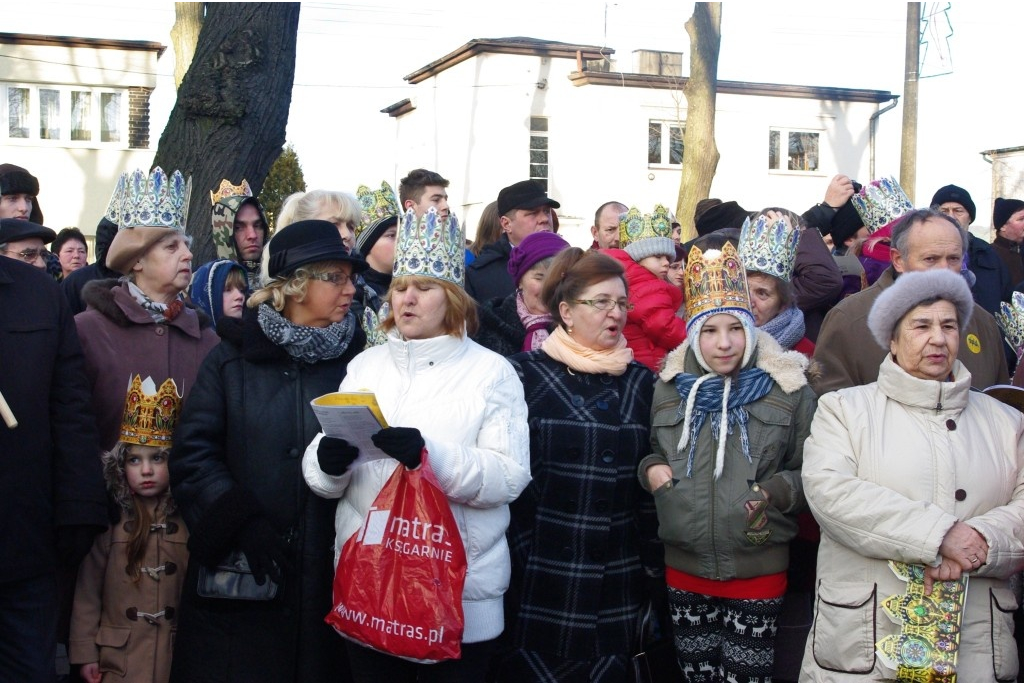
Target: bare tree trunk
(232,108)
(188,21)
(912,61)
(700,153)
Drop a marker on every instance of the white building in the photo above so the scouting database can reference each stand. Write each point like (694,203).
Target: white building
(75,113)
(497,111)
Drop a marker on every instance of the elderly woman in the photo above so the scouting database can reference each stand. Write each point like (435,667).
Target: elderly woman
(520,321)
(140,323)
(768,248)
(444,396)
(236,477)
(915,468)
(730,414)
(341,209)
(583,535)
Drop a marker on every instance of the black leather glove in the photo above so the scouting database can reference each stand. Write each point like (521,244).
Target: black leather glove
(73,543)
(335,455)
(404,444)
(264,549)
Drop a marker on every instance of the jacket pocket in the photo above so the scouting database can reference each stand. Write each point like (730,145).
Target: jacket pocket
(843,637)
(113,644)
(1002,603)
(666,428)
(769,435)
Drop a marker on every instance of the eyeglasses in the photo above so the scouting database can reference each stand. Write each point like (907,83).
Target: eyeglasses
(333,277)
(606,303)
(30,255)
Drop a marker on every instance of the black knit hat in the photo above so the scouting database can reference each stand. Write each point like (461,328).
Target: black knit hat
(952,193)
(306,242)
(725,215)
(1003,209)
(16,180)
(846,221)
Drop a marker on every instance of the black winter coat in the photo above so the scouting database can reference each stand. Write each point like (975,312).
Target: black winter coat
(50,474)
(238,454)
(488,277)
(501,330)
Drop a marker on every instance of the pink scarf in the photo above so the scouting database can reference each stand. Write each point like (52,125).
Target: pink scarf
(560,346)
(536,325)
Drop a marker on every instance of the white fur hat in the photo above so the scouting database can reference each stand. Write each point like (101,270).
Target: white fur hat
(910,290)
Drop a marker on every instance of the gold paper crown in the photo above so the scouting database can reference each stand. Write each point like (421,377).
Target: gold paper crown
(634,226)
(715,280)
(377,205)
(155,200)
(227,189)
(150,414)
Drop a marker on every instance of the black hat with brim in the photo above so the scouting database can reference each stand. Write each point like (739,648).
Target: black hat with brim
(306,242)
(19,229)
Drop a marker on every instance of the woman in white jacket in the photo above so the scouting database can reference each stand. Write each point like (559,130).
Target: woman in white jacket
(915,468)
(448,397)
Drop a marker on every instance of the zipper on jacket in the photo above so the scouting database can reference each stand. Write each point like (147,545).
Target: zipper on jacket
(938,400)
(714,532)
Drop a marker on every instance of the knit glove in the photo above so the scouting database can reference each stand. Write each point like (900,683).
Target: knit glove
(335,455)
(404,444)
(264,549)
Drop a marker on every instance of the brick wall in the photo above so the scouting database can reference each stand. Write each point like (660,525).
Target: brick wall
(138,117)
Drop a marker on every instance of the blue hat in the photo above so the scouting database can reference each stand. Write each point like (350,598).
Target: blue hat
(207,288)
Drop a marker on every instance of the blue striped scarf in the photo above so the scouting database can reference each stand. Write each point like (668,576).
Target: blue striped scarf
(705,396)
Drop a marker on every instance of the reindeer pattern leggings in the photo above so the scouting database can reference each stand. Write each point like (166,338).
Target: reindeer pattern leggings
(723,640)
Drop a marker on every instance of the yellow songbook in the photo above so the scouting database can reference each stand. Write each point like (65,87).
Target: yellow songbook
(354,417)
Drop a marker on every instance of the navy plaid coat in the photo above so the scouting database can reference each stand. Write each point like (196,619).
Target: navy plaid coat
(583,535)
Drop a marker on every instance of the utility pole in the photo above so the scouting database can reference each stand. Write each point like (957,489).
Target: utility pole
(908,148)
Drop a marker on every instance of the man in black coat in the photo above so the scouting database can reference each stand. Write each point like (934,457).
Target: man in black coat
(52,497)
(523,208)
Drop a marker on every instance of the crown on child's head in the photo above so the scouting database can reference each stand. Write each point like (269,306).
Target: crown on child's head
(376,205)
(150,413)
(634,226)
(715,280)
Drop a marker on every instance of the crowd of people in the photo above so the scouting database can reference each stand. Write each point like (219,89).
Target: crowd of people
(760,446)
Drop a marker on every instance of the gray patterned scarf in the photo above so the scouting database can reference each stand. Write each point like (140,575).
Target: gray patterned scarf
(306,343)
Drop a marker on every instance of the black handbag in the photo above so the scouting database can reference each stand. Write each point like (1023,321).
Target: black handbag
(233,579)
(654,658)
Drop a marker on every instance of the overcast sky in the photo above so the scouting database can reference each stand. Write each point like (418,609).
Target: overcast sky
(352,57)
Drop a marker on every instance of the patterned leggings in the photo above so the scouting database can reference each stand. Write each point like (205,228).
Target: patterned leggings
(719,639)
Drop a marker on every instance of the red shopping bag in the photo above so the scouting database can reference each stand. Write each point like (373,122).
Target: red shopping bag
(398,585)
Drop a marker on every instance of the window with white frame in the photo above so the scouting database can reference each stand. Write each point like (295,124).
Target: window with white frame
(539,150)
(74,116)
(665,143)
(793,150)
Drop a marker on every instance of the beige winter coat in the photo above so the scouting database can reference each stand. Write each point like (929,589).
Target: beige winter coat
(888,469)
(138,649)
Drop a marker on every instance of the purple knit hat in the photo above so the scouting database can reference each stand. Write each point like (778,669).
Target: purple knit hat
(532,249)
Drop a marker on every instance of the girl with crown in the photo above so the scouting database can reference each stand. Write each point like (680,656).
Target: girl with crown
(730,415)
(123,621)
(652,327)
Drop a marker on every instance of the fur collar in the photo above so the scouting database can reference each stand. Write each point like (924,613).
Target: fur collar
(787,369)
(100,295)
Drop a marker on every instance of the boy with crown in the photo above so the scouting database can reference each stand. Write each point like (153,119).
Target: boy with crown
(140,323)
(375,240)
(129,585)
(652,327)
(239,227)
(730,414)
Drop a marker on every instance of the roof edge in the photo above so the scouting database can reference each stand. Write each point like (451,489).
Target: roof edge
(79,42)
(505,46)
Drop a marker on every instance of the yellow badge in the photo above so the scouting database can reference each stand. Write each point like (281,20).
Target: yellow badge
(973,344)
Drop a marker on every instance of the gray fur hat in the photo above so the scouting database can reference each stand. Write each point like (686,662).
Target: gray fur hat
(910,290)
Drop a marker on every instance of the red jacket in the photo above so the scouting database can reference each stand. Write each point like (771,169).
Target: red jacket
(652,328)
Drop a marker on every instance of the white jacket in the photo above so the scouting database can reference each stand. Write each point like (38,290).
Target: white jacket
(888,469)
(468,404)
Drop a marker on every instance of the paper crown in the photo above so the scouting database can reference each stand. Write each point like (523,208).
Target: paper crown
(150,413)
(228,189)
(1010,318)
(769,247)
(880,203)
(715,280)
(155,200)
(431,246)
(634,226)
(377,205)
(114,205)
